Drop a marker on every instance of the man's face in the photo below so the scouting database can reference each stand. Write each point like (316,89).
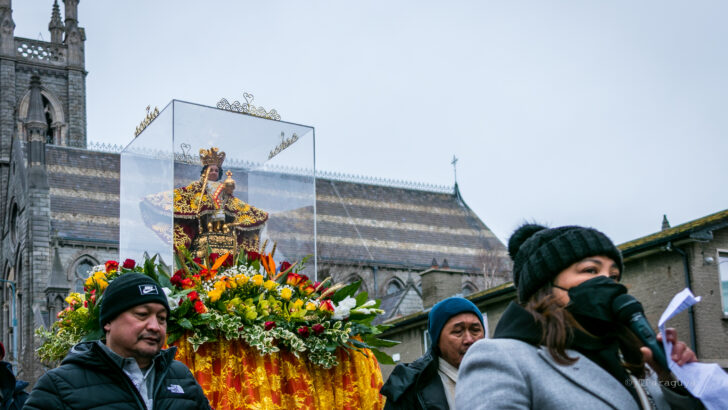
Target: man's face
(138,332)
(458,334)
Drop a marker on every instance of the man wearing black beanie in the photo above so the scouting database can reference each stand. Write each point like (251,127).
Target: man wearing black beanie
(128,369)
(454,324)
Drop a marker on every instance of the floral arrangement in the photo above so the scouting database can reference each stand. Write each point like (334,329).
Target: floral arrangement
(244,296)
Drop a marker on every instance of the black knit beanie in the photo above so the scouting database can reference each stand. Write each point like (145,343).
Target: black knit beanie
(127,291)
(540,253)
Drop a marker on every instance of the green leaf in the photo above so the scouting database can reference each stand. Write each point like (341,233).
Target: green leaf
(348,290)
(95,335)
(382,357)
(372,340)
(172,337)
(361,298)
(185,323)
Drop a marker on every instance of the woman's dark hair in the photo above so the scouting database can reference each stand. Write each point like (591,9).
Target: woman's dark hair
(558,326)
(220,172)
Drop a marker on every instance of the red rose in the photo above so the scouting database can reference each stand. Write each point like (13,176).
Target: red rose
(197,261)
(85,303)
(284,266)
(112,265)
(253,255)
(213,257)
(318,328)
(304,278)
(193,295)
(176,279)
(200,307)
(303,331)
(269,325)
(187,283)
(129,264)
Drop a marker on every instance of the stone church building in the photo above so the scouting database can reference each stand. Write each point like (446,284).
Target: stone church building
(59,203)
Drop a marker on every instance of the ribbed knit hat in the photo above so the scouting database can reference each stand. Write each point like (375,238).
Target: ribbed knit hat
(443,311)
(540,253)
(127,291)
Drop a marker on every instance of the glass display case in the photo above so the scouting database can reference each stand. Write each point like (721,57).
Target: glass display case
(217,180)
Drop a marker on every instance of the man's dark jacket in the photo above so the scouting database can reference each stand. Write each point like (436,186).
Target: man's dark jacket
(13,391)
(88,378)
(416,385)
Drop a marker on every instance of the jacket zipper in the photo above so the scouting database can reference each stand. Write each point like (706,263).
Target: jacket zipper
(126,378)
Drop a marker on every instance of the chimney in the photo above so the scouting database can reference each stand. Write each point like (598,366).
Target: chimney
(439,283)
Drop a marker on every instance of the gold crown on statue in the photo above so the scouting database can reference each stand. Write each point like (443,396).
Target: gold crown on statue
(212,156)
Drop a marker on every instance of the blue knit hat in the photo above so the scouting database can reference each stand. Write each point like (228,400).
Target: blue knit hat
(443,311)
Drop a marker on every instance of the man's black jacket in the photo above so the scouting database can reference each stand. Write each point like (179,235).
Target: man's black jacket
(416,385)
(88,378)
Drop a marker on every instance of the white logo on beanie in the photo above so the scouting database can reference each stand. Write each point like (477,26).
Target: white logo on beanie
(148,290)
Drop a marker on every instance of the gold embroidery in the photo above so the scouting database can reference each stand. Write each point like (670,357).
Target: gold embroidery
(235,376)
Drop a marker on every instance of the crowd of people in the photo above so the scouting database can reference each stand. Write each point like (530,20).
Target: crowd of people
(560,345)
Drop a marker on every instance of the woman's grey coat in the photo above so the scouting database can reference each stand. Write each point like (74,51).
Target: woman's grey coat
(511,374)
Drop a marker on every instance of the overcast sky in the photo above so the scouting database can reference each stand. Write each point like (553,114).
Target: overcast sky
(608,114)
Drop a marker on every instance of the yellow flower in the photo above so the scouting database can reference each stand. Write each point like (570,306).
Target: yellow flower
(297,303)
(257,280)
(310,306)
(241,280)
(74,297)
(286,293)
(215,294)
(270,284)
(220,285)
(102,284)
(100,275)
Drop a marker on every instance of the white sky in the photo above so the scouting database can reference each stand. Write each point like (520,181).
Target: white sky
(606,114)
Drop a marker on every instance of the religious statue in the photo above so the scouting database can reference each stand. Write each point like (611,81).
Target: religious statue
(207,213)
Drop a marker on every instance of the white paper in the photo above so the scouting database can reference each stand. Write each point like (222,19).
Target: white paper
(706,381)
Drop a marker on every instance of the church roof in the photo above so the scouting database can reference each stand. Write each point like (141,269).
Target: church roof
(84,191)
(357,222)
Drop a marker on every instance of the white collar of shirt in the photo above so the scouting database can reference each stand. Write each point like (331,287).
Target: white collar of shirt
(449,376)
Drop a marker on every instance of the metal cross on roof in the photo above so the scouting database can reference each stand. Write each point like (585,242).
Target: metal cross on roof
(454,163)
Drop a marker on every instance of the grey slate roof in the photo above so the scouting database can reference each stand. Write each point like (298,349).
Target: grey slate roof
(356,222)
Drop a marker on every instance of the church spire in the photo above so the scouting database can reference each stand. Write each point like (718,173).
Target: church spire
(35,122)
(7,32)
(75,35)
(56,25)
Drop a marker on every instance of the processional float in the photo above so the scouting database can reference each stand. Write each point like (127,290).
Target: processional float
(224,198)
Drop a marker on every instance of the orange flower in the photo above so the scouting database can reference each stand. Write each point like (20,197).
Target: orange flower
(200,307)
(293,279)
(326,306)
(268,263)
(112,266)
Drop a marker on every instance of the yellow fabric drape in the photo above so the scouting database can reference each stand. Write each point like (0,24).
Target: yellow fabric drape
(235,376)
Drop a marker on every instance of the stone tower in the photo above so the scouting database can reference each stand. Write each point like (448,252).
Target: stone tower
(42,106)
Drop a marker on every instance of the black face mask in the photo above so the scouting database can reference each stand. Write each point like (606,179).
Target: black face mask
(593,299)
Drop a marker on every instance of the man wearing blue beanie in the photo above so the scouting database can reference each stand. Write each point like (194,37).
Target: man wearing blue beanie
(454,324)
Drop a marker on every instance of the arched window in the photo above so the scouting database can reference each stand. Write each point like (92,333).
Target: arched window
(56,133)
(81,270)
(394,286)
(14,224)
(468,288)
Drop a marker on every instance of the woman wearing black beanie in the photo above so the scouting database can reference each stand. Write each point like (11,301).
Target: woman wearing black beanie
(561,345)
